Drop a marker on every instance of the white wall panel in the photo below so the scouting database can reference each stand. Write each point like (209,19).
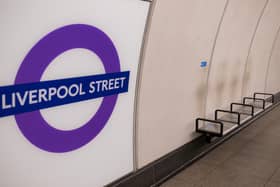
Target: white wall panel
(228,64)
(273,73)
(173,83)
(109,155)
(256,68)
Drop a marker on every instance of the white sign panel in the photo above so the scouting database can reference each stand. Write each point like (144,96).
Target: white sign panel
(68,73)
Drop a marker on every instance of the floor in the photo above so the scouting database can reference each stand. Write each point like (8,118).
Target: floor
(250,159)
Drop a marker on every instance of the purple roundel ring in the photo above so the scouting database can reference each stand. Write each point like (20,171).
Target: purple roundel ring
(32,124)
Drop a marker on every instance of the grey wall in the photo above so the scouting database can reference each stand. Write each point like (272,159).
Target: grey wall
(231,50)
(235,37)
(272,77)
(257,63)
(173,84)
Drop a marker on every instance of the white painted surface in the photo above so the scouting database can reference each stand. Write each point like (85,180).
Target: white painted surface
(226,76)
(110,155)
(173,83)
(77,62)
(273,76)
(254,78)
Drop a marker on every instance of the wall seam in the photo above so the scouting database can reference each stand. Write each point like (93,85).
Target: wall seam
(270,56)
(211,57)
(139,82)
(250,48)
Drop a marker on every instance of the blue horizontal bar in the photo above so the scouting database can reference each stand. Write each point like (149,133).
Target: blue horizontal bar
(21,98)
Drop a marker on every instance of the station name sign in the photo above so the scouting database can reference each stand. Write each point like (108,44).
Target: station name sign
(29,97)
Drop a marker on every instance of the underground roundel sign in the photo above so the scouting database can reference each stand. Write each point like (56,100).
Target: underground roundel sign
(28,95)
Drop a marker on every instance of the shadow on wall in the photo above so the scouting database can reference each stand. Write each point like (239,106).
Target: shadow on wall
(235,81)
(200,96)
(247,76)
(220,85)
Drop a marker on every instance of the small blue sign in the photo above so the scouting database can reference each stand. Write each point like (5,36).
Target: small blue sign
(203,64)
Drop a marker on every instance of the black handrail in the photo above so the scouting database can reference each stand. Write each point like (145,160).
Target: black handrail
(261,93)
(209,120)
(230,112)
(241,104)
(255,99)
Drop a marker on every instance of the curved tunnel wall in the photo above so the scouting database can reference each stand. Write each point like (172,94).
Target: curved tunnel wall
(173,84)
(272,84)
(256,67)
(234,36)
(229,59)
